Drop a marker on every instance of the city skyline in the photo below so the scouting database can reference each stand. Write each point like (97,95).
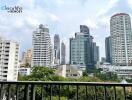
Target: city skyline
(64,19)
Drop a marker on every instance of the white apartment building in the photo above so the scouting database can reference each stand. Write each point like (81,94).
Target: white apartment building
(121,71)
(42,49)
(71,71)
(24,71)
(121,38)
(9,60)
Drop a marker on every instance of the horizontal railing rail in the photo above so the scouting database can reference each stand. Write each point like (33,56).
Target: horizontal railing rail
(60,90)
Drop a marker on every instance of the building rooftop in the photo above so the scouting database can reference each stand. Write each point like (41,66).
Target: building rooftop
(118,14)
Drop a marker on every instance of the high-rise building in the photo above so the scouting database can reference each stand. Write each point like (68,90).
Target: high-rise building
(84,29)
(108,49)
(9,60)
(95,53)
(121,39)
(23,56)
(81,48)
(63,53)
(42,48)
(56,49)
(77,56)
(103,60)
(27,58)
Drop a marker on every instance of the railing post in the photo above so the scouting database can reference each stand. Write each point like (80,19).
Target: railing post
(105,93)
(26,92)
(50,91)
(9,92)
(68,94)
(77,92)
(86,92)
(17,92)
(59,91)
(32,92)
(42,92)
(114,92)
(124,92)
(1,91)
(95,92)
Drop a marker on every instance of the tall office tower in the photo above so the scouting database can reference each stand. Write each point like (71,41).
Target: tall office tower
(81,48)
(95,53)
(84,29)
(108,49)
(56,49)
(42,49)
(9,60)
(23,56)
(103,60)
(121,39)
(28,57)
(63,53)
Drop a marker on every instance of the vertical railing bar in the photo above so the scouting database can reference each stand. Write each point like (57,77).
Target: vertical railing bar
(95,88)
(77,91)
(105,93)
(114,92)
(86,92)
(9,92)
(124,92)
(59,91)
(68,94)
(17,92)
(50,91)
(42,92)
(26,92)
(1,91)
(32,92)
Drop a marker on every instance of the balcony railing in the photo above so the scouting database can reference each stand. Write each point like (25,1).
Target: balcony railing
(56,90)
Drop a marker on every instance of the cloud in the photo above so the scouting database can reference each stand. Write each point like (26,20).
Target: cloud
(90,23)
(104,20)
(60,2)
(111,4)
(72,34)
(27,4)
(130,2)
(54,17)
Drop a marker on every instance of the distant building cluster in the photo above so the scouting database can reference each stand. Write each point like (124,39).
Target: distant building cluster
(119,43)
(83,52)
(59,51)
(118,46)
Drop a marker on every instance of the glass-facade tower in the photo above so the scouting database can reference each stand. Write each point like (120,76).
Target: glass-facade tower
(81,51)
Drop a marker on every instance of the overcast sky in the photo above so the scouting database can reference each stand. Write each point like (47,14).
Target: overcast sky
(63,17)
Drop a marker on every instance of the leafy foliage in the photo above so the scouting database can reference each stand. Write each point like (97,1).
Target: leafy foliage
(40,73)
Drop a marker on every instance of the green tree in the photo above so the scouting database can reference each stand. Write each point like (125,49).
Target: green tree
(41,72)
(85,73)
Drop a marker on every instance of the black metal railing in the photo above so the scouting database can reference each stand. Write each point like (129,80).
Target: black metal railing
(56,90)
